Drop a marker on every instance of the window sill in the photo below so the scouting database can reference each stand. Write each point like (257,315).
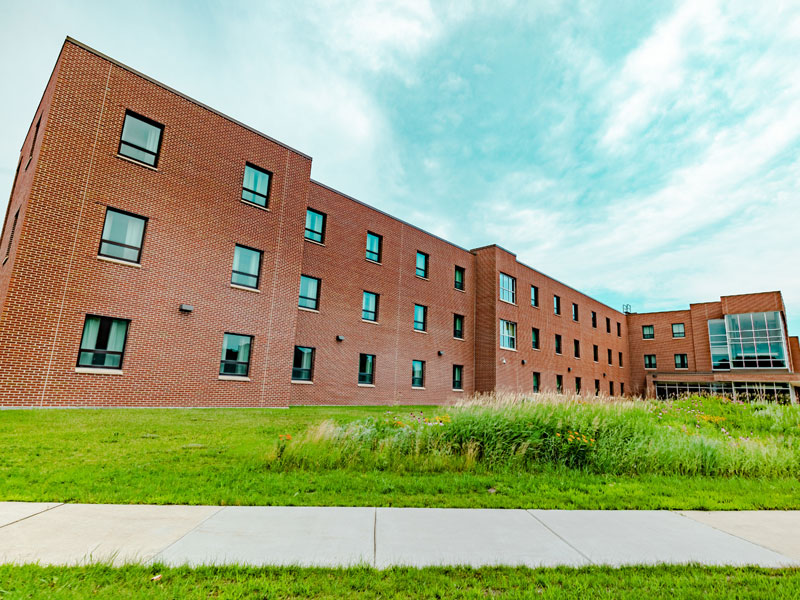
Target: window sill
(119,261)
(537,349)
(509,349)
(460,290)
(316,243)
(136,162)
(253,204)
(311,310)
(534,306)
(419,331)
(302,382)
(374,262)
(370,322)
(366,385)
(233,378)
(417,388)
(507,302)
(5,260)
(460,339)
(455,390)
(421,277)
(96,371)
(245,288)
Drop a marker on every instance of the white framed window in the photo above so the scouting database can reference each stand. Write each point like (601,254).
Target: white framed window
(508,335)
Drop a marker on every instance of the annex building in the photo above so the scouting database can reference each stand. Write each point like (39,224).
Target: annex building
(158,253)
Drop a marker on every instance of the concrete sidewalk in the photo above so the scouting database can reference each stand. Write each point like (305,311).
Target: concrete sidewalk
(68,534)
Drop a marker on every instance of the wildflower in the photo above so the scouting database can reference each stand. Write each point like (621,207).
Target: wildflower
(558,435)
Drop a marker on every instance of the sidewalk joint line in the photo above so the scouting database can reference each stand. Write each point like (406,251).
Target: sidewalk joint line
(33,515)
(744,539)
(375,538)
(168,546)
(546,526)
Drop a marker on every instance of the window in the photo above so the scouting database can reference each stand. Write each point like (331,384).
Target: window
(718,340)
(422,265)
(374,246)
(595,353)
(459,278)
(621,389)
(315,226)
(611,388)
(648,332)
(255,185)
(575,312)
(309,292)
(608,325)
(576,348)
(678,330)
(556,305)
(619,329)
(122,236)
(596,387)
(458,376)
(536,379)
(649,361)
(594,319)
(535,338)
(303,365)
(558,344)
(417,373)
(508,288)
(458,327)
(508,335)
(610,360)
(577,385)
(141,139)
(366,369)
(620,358)
(11,235)
(559,383)
(246,267)
(534,296)
(369,307)
(103,342)
(681,361)
(33,142)
(235,354)
(420,317)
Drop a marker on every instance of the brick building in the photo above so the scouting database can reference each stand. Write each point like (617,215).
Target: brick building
(159,253)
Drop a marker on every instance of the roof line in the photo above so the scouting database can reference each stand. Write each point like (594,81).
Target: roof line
(433,235)
(182,95)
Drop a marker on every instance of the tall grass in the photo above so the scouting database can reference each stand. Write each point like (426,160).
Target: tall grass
(692,436)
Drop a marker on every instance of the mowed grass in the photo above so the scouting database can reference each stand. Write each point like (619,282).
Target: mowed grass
(237,457)
(690,582)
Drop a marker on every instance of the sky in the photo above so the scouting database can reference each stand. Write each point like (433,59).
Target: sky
(645,153)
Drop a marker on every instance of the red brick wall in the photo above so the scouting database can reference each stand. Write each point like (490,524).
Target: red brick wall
(513,375)
(346,273)
(195,218)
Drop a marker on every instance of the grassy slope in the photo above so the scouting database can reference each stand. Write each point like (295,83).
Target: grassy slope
(232,582)
(218,456)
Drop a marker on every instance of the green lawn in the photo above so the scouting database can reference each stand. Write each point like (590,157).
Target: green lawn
(236,582)
(227,456)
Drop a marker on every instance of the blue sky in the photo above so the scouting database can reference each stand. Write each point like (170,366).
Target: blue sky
(645,153)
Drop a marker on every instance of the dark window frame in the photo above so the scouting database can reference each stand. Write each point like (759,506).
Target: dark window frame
(257,275)
(576,348)
(608,325)
(33,143)
(366,377)
(11,234)
(610,357)
(310,369)
(595,353)
(364,311)
(534,296)
(684,363)
(558,344)
(301,297)
(458,382)
(138,260)
(320,234)
(463,272)
(424,317)
(619,357)
(559,383)
(121,353)
(652,334)
(536,339)
(157,154)
(268,195)
(237,362)
(556,304)
(456,330)
(380,248)
(427,264)
(619,329)
(575,312)
(418,382)
(646,361)
(682,333)
(594,320)
(537,382)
